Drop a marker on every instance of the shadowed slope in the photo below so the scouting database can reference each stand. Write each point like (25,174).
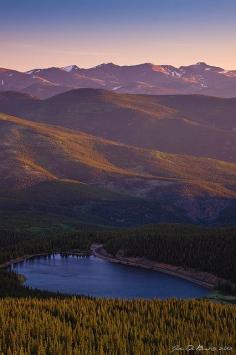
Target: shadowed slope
(53,153)
(192,125)
(52,169)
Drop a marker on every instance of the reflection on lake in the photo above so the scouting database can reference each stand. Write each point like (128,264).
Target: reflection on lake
(96,277)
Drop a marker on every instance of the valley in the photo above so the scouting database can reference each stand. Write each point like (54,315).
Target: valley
(117,177)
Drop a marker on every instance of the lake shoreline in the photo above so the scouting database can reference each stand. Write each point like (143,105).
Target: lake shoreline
(203,279)
(20,259)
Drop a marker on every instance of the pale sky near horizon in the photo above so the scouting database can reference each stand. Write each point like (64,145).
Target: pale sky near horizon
(37,34)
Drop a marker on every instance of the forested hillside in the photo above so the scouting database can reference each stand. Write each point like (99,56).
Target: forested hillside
(112,327)
(210,250)
(47,323)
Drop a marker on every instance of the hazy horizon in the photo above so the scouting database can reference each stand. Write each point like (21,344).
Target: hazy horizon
(88,33)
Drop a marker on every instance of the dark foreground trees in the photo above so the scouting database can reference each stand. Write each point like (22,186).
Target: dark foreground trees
(88,326)
(38,323)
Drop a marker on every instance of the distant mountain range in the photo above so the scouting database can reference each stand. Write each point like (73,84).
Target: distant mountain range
(118,159)
(147,78)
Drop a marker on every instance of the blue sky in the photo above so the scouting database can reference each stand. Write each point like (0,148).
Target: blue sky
(49,32)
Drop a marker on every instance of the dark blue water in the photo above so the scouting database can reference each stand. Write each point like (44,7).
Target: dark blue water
(96,277)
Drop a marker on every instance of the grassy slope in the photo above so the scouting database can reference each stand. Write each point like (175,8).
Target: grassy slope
(59,172)
(192,125)
(45,153)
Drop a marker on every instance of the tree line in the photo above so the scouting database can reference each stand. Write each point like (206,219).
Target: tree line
(203,249)
(211,250)
(38,322)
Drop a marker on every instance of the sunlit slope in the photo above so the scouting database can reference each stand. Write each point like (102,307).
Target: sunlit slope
(193,125)
(51,171)
(34,152)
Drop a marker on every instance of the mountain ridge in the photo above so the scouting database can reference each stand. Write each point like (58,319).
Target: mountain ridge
(146,78)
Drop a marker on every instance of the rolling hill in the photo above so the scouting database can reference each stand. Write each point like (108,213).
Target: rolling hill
(51,169)
(194,125)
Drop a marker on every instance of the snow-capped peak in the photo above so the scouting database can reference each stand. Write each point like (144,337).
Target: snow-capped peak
(70,68)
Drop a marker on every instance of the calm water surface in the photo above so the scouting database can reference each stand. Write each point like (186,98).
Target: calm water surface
(96,277)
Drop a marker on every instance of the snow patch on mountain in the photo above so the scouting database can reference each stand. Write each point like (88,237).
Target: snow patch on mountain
(70,68)
(228,73)
(168,70)
(116,88)
(35,71)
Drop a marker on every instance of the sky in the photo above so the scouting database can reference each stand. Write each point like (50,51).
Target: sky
(45,33)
